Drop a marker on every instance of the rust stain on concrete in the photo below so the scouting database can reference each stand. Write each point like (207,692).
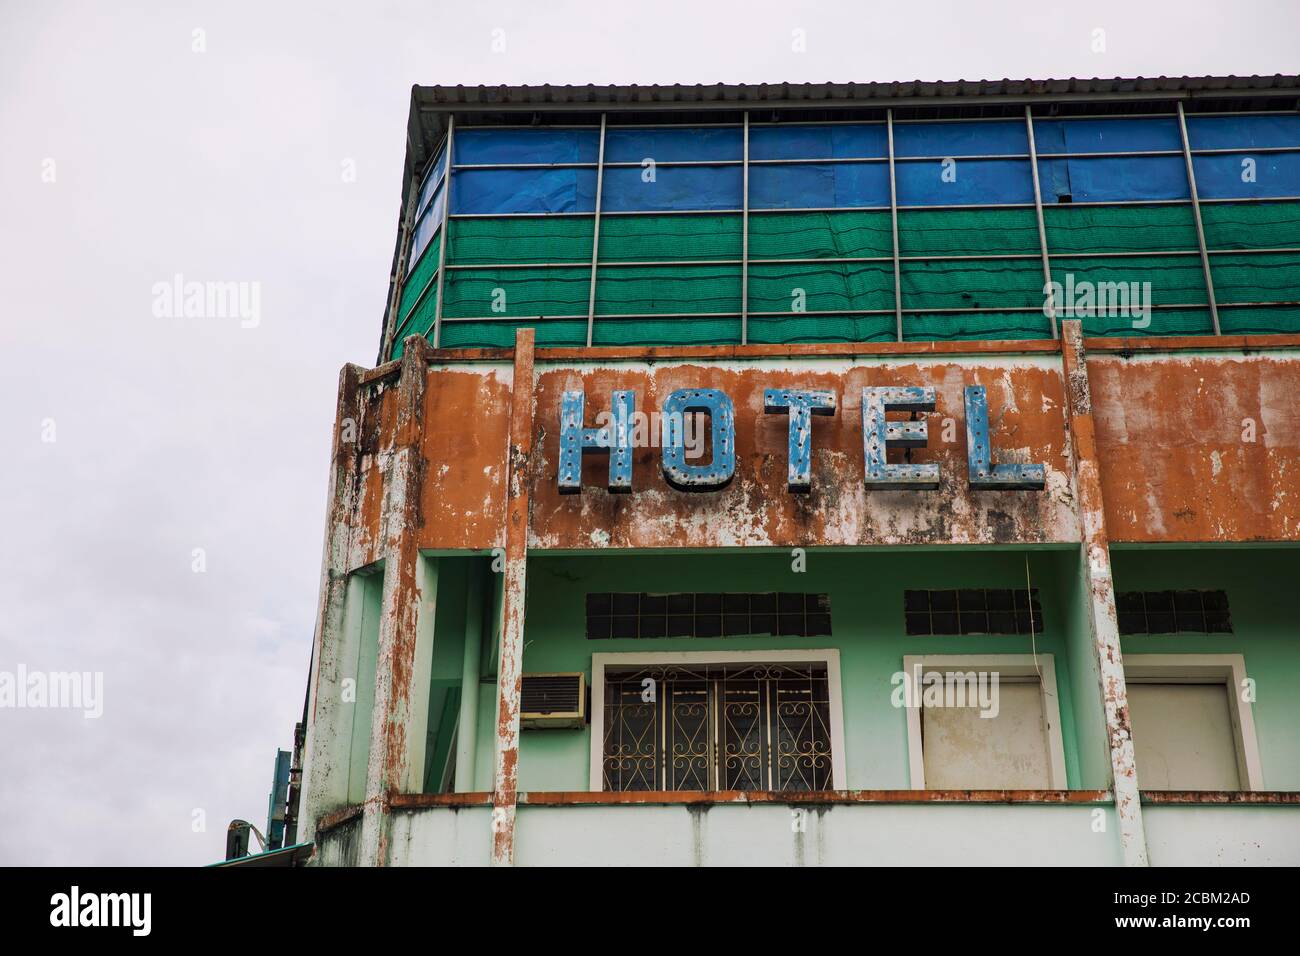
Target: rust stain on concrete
(1199,448)
(1027,419)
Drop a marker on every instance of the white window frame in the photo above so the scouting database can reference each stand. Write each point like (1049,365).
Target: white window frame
(1226,669)
(1010,667)
(830,657)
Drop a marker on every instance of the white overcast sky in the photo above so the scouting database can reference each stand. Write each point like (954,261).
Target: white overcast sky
(172,434)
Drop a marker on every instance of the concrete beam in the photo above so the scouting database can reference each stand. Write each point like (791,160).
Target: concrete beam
(505,789)
(1100,590)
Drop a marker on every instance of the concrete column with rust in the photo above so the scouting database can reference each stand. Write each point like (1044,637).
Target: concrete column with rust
(325,770)
(505,787)
(396,736)
(1100,590)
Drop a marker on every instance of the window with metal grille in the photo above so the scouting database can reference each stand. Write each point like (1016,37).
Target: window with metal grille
(1173,612)
(627,615)
(718,727)
(972,611)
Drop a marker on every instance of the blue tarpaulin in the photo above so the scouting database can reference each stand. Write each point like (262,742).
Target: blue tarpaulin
(674,144)
(983,138)
(523,190)
(1108,135)
(674,187)
(993,181)
(484,146)
(819,186)
(847,141)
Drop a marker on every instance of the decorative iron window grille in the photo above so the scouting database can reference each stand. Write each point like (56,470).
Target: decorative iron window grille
(626,615)
(972,611)
(718,727)
(1173,612)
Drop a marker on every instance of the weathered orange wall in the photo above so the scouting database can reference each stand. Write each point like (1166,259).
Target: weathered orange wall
(1170,430)
(1176,462)
(756,509)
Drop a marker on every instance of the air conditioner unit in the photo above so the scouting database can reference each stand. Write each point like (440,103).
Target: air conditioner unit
(553,701)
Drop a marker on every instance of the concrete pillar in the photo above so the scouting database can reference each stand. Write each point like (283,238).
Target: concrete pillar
(1099,591)
(325,767)
(510,665)
(397,736)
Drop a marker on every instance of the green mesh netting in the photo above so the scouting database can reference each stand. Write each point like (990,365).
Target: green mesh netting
(648,290)
(1255,320)
(714,291)
(420,319)
(1163,322)
(833,287)
(419,276)
(1175,280)
(1256,277)
(712,330)
(665,238)
(821,328)
(927,327)
(521,239)
(966,232)
(819,235)
(551,333)
(1261,225)
(474,293)
(986,283)
(1118,229)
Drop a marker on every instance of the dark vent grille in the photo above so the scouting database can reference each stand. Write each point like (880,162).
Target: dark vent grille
(550,694)
(1173,612)
(972,611)
(784,614)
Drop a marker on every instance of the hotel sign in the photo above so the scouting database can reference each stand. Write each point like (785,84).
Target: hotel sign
(879,434)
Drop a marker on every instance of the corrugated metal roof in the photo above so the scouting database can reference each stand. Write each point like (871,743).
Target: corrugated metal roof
(823,94)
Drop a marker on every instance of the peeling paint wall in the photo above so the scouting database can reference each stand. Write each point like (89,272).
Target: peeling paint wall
(1199,447)
(1169,428)
(756,508)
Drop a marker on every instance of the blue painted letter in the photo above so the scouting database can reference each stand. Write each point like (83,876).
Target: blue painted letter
(801,406)
(614,440)
(879,434)
(984,475)
(722,418)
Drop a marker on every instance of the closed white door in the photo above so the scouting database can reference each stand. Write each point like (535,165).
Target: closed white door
(964,751)
(1183,738)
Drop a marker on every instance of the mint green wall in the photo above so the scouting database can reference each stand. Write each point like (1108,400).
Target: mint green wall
(866,590)
(1093,743)
(445,679)
(362,608)
(1261,588)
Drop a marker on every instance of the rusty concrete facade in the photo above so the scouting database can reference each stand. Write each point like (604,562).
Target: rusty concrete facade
(457,452)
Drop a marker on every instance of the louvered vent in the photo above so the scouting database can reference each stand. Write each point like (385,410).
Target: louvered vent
(549,701)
